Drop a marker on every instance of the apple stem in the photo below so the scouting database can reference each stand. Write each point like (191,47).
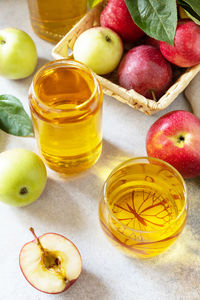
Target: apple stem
(36,238)
(153,95)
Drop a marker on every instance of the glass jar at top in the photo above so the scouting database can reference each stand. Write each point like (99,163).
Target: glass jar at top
(66,106)
(52,19)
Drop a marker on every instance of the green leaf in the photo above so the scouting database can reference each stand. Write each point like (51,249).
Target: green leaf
(195,5)
(92,3)
(157,18)
(197,21)
(13,118)
(189,10)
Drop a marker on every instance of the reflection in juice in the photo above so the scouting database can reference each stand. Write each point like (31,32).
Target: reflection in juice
(52,19)
(145,208)
(67,116)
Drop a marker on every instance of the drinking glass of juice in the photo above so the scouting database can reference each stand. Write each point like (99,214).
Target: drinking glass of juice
(66,106)
(143,206)
(52,19)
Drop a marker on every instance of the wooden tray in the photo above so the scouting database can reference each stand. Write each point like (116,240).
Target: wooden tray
(64,49)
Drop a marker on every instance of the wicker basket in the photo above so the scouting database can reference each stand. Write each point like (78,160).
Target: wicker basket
(64,50)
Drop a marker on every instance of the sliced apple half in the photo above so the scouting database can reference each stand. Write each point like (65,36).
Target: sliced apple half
(50,263)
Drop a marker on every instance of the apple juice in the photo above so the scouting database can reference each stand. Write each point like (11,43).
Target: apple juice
(143,208)
(52,19)
(66,107)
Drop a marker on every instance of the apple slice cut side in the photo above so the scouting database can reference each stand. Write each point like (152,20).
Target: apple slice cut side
(50,263)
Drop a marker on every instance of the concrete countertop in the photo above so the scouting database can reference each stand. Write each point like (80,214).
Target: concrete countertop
(70,207)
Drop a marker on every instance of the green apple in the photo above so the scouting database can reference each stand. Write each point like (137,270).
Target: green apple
(100,49)
(18,54)
(22,177)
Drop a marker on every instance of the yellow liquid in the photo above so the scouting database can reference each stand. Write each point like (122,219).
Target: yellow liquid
(52,19)
(148,209)
(69,132)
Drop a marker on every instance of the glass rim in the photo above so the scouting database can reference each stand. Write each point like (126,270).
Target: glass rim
(68,63)
(133,160)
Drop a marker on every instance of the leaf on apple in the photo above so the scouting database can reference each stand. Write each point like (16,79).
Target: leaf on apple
(13,118)
(157,19)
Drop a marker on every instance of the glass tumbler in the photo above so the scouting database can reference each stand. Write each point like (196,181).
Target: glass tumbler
(52,19)
(143,206)
(66,106)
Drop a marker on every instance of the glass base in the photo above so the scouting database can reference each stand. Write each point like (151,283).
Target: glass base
(72,165)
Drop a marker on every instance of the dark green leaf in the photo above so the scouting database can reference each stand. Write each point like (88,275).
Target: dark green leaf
(195,5)
(157,19)
(13,118)
(189,10)
(197,21)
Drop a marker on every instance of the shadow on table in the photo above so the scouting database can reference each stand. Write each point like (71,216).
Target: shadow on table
(55,207)
(65,199)
(91,181)
(88,286)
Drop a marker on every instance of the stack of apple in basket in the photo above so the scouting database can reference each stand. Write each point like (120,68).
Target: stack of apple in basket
(141,71)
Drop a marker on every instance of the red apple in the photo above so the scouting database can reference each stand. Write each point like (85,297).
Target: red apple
(117,17)
(152,42)
(145,70)
(175,138)
(50,263)
(186,49)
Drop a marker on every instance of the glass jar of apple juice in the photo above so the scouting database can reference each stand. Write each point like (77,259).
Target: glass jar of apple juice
(66,106)
(52,19)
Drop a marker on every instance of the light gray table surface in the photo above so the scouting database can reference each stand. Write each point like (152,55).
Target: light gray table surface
(70,207)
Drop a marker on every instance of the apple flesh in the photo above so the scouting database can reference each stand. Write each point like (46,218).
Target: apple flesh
(186,49)
(23,177)
(50,263)
(175,138)
(145,70)
(100,49)
(117,17)
(18,54)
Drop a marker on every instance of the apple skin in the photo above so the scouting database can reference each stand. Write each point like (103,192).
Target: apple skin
(70,283)
(21,168)
(152,42)
(117,17)
(100,49)
(144,69)
(186,49)
(164,141)
(18,54)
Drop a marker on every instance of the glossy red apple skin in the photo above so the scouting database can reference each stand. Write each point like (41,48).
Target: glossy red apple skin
(117,17)
(144,69)
(186,49)
(162,137)
(70,283)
